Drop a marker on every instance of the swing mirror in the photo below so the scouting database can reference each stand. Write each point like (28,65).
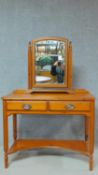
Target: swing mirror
(49,63)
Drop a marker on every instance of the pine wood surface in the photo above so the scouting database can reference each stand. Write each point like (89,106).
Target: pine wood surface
(74,94)
(76,101)
(61,100)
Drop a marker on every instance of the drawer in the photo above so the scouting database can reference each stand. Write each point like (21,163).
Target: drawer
(27,105)
(69,106)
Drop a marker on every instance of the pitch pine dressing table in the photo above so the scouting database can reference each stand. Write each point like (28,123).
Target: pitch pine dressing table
(50,92)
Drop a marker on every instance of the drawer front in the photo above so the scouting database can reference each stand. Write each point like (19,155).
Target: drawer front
(69,106)
(27,105)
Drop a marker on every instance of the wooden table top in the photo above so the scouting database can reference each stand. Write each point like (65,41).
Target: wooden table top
(73,94)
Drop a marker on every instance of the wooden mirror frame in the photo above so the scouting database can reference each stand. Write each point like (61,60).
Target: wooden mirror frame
(31,63)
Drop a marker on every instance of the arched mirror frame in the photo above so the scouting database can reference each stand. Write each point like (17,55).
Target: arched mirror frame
(31,64)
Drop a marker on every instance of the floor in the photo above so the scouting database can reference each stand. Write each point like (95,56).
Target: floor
(47,162)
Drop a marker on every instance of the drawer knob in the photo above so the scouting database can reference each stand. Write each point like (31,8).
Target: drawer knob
(69,106)
(27,106)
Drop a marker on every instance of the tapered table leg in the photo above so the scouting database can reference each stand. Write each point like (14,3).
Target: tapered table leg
(14,126)
(86,128)
(91,163)
(91,137)
(5,134)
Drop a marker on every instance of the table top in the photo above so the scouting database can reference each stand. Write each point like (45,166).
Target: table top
(73,94)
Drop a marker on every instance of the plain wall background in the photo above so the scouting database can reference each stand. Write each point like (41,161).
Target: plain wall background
(23,20)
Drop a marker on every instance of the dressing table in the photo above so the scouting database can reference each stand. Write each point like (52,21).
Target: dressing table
(52,97)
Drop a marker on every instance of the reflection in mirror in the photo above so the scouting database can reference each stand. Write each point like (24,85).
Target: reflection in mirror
(50,62)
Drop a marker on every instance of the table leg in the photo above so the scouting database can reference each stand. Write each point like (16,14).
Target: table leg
(5,134)
(91,137)
(14,126)
(86,128)
(91,163)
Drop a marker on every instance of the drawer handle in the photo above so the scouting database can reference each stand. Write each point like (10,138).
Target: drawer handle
(27,106)
(69,106)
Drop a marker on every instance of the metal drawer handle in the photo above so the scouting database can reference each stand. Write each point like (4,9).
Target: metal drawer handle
(69,106)
(27,106)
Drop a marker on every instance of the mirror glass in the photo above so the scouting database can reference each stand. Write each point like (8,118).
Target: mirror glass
(50,62)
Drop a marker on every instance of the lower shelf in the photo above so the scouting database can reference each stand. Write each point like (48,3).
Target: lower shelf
(23,144)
